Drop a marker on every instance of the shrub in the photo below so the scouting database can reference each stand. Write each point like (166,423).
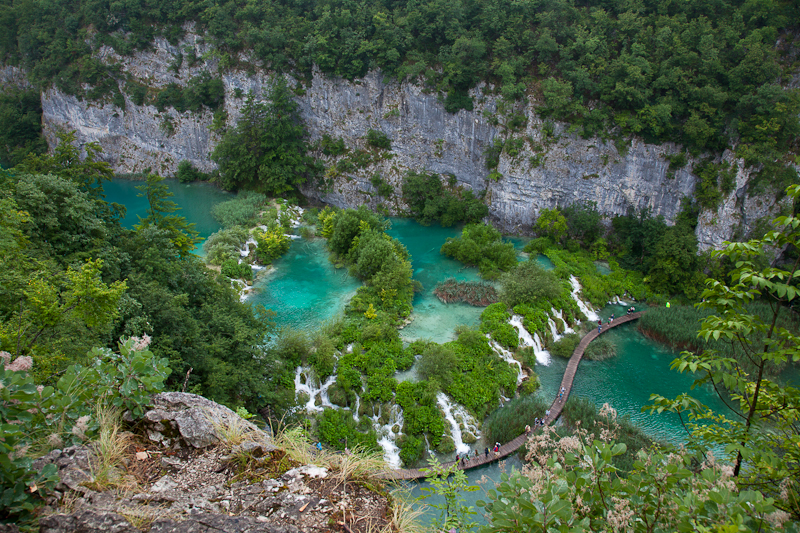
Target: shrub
(483,246)
(508,422)
(565,346)
(233,269)
(429,201)
(31,416)
(272,244)
(494,321)
(378,139)
(241,211)
(187,173)
(529,283)
(225,244)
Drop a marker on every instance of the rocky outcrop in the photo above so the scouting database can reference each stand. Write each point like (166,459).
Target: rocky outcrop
(216,473)
(179,419)
(548,165)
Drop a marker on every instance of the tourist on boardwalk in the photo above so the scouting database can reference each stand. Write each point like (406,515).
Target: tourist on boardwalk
(527,429)
(610,320)
(486,451)
(476,453)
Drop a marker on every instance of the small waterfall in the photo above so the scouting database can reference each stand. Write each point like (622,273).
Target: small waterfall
(553,329)
(576,289)
(356,408)
(313,391)
(455,430)
(508,358)
(387,439)
(244,252)
(542,355)
(567,329)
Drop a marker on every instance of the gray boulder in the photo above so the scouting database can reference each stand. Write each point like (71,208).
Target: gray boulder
(183,419)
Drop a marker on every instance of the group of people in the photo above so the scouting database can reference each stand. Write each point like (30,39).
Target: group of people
(631,309)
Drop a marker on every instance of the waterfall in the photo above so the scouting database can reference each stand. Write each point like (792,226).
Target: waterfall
(508,358)
(244,252)
(567,329)
(455,430)
(387,438)
(576,289)
(313,391)
(542,355)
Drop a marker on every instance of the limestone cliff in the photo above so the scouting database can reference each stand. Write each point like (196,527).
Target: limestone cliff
(547,166)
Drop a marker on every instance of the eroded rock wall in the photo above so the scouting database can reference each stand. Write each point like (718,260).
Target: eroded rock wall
(550,166)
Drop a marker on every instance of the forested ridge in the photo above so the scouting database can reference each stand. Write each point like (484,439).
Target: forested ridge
(706,74)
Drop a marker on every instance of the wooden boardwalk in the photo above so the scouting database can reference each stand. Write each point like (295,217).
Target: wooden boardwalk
(555,408)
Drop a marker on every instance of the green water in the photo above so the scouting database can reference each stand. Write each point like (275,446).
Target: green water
(194,199)
(305,289)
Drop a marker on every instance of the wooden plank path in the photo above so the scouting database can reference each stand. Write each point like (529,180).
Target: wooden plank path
(555,409)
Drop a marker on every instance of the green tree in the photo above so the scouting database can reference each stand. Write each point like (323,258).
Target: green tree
(182,234)
(267,150)
(449,483)
(551,223)
(760,432)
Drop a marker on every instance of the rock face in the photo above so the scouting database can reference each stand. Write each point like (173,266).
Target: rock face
(547,165)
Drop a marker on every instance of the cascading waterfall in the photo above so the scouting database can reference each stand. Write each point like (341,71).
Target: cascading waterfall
(542,355)
(576,289)
(313,391)
(508,358)
(455,429)
(245,251)
(387,438)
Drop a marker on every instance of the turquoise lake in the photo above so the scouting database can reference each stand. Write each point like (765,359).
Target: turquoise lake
(305,290)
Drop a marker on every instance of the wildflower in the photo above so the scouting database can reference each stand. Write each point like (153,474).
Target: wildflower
(55,440)
(20,364)
(141,343)
(80,427)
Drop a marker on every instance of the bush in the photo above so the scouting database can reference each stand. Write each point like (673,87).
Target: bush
(187,173)
(65,414)
(233,269)
(494,321)
(241,211)
(483,246)
(508,422)
(565,346)
(529,283)
(430,202)
(600,349)
(338,429)
(272,244)
(378,139)
(225,244)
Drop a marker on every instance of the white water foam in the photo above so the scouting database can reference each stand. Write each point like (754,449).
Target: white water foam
(542,355)
(455,431)
(576,289)
(313,390)
(388,438)
(244,252)
(506,356)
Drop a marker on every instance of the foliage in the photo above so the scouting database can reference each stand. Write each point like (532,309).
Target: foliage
(63,413)
(583,223)
(187,173)
(528,283)
(182,234)
(338,429)
(429,200)
(449,483)
(271,244)
(378,139)
(421,416)
(240,211)
(436,364)
(576,487)
(201,91)
(482,245)
(234,269)
(565,346)
(225,244)
(20,126)
(266,151)
(551,223)
(494,321)
(760,432)
(384,188)
(508,422)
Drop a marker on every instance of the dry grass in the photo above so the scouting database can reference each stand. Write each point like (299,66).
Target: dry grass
(143,516)
(403,517)
(110,452)
(235,431)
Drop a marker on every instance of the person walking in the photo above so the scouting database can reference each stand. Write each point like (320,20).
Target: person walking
(486,451)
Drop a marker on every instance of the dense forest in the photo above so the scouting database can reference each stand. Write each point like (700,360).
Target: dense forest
(706,74)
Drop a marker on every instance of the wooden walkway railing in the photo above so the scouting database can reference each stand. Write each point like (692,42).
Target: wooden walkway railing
(555,409)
